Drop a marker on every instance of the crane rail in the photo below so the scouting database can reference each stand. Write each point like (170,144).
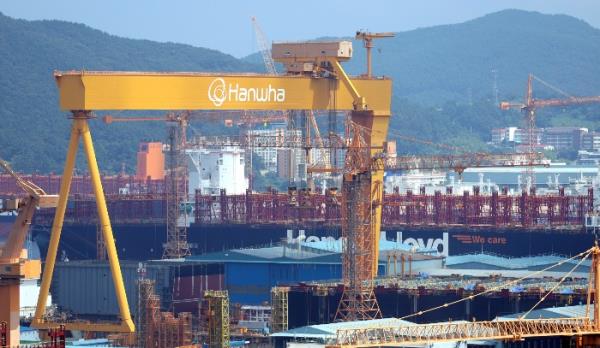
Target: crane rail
(517,329)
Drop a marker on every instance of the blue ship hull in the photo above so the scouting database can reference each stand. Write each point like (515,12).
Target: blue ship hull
(145,241)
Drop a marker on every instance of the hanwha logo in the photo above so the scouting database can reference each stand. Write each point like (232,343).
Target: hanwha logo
(217,92)
(220,92)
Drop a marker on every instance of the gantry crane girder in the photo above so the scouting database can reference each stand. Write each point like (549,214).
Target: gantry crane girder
(98,90)
(82,92)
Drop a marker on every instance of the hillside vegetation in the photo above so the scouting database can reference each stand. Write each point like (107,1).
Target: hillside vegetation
(443,80)
(34,132)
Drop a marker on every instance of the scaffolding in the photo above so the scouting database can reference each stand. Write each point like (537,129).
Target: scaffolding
(177,245)
(143,318)
(158,329)
(218,318)
(498,209)
(279,313)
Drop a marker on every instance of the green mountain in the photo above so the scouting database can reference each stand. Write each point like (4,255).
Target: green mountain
(443,80)
(446,77)
(34,132)
(448,71)
(455,62)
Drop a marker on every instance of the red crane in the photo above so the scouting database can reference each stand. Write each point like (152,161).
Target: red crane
(529,106)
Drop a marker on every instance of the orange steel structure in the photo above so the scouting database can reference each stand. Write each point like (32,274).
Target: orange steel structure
(529,107)
(361,215)
(442,208)
(14,262)
(81,186)
(160,329)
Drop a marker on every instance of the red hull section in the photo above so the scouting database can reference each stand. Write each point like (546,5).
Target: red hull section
(412,210)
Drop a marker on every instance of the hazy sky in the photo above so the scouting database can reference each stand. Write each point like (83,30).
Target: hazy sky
(225,24)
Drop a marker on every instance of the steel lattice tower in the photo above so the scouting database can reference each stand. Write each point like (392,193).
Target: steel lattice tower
(279,312)
(360,196)
(218,318)
(177,245)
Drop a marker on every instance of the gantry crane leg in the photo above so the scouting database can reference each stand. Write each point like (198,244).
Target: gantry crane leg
(80,130)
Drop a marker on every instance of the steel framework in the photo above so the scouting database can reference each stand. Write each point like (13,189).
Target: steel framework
(529,108)
(218,318)
(146,314)
(56,336)
(362,193)
(517,329)
(498,209)
(177,245)
(279,312)
(358,300)
(445,332)
(158,329)
(81,185)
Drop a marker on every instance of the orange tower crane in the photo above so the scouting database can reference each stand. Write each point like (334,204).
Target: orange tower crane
(529,107)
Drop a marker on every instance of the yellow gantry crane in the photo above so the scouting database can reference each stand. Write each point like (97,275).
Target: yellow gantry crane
(315,80)
(14,263)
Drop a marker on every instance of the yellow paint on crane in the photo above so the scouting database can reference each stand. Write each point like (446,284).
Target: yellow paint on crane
(81,130)
(85,90)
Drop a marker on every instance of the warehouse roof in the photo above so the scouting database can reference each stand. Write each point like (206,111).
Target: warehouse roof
(483,261)
(279,254)
(550,313)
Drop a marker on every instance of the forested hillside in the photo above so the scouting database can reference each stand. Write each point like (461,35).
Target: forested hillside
(443,80)
(33,131)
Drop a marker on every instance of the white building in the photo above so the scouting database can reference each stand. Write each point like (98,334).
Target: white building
(211,170)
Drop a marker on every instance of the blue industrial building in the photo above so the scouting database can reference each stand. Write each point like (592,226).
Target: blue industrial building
(249,274)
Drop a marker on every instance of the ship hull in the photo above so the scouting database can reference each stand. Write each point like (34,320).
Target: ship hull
(145,241)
